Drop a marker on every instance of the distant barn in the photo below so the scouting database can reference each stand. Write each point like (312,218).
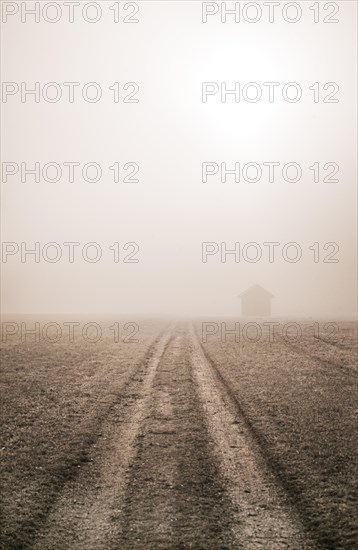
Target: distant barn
(256,302)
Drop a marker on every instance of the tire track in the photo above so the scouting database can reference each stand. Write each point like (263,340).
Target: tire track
(324,362)
(83,516)
(347,347)
(174,498)
(24,532)
(264,517)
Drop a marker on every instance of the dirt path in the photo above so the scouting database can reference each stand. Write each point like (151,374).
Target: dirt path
(175,498)
(263,515)
(176,467)
(85,515)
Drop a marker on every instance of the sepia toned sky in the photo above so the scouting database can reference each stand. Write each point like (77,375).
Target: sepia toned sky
(170,212)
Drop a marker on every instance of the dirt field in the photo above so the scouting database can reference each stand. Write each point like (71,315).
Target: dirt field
(180,441)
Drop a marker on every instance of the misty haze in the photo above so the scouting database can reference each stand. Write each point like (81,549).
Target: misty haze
(179,275)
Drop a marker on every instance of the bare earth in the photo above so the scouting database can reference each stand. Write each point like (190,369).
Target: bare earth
(162,450)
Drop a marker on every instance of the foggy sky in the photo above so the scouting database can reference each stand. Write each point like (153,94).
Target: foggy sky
(169,134)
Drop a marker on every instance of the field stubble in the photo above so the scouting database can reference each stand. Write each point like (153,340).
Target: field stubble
(98,438)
